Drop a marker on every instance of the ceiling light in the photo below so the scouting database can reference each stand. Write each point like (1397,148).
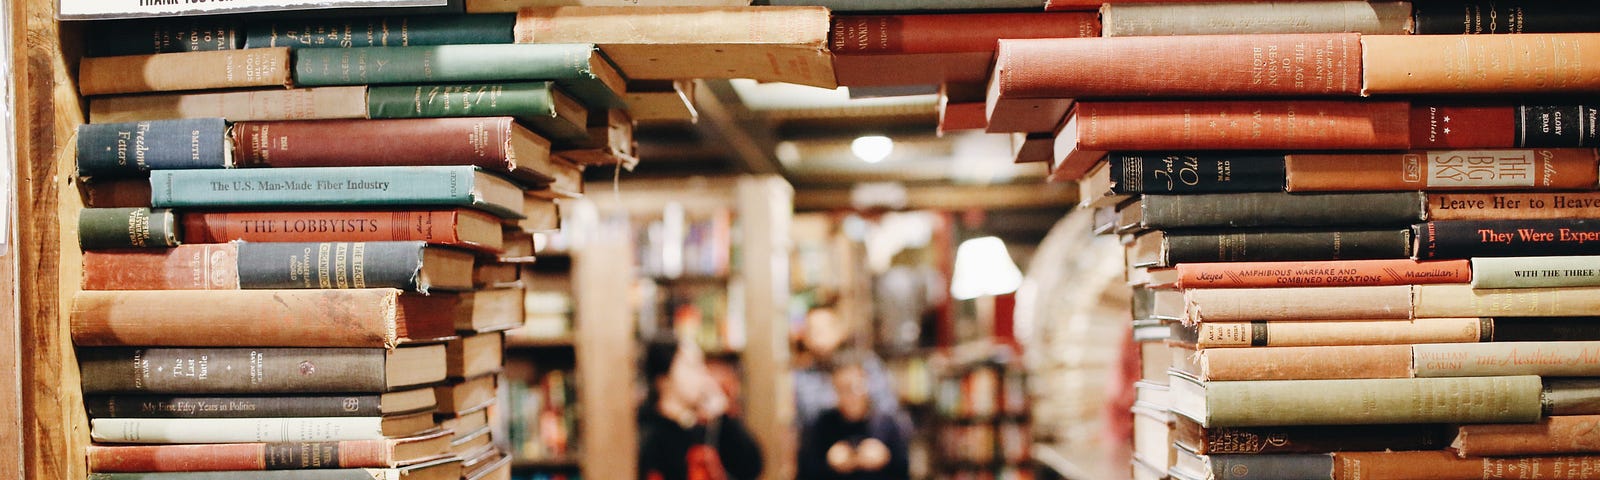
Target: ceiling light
(872,148)
(983,267)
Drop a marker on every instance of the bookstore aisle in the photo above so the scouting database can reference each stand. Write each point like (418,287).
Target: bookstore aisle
(800,239)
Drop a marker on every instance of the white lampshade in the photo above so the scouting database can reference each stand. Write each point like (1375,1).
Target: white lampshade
(983,267)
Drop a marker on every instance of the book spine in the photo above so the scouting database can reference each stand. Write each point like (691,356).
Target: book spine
(1462,17)
(432,226)
(1279,439)
(1443,125)
(1343,273)
(1507,238)
(1536,63)
(1266,467)
(302,187)
(382,31)
(1443,464)
(970,32)
(331,265)
(1536,272)
(1283,246)
(1234,65)
(1156,173)
(1306,363)
(1375,18)
(1281,210)
(1558,434)
(1323,333)
(442,64)
(1373,401)
(1244,124)
(231,370)
(1546,359)
(146,406)
(184,71)
(236,456)
(522,100)
(1464,301)
(234,430)
(132,227)
(1552,329)
(129,149)
(1571,396)
(483,142)
(279,318)
(1313,303)
(116,193)
(170,36)
(1522,169)
(1507,206)
(186,267)
(247,105)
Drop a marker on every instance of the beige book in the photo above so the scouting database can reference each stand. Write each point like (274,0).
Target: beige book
(1545,359)
(1362,401)
(1229,18)
(474,355)
(770,44)
(1342,332)
(1312,303)
(1533,63)
(673,102)
(1305,363)
(237,106)
(1451,300)
(165,72)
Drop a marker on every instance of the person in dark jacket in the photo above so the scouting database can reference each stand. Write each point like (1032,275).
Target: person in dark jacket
(854,441)
(685,432)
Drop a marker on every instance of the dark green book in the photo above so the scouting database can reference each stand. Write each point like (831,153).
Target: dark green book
(578,68)
(136,227)
(539,105)
(336,187)
(151,36)
(381,31)
(256,371)
(118,150)
(1281,210)
(1165,249)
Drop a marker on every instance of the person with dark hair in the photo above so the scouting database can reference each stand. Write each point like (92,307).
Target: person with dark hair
(854,441)
(684,430)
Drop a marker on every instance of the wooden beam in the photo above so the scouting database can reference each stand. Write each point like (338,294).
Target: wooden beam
(47,112)
(953,197)
(747,136)
(12,463)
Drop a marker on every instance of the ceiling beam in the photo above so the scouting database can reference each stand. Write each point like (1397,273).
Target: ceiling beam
(953,197)
(728,122)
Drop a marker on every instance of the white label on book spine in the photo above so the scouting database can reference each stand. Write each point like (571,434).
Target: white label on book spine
(108,9)
(1476,168)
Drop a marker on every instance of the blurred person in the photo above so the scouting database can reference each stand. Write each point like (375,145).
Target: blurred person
(685,432)
(854,441)
(824,334)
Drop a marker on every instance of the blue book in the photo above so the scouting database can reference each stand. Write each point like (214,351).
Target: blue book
(463,186)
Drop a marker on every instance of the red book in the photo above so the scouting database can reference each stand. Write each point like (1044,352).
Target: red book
(1318,64)
(269,456)
(1095,128)
(884,50)
(455,227)
(493,143)
(961,116)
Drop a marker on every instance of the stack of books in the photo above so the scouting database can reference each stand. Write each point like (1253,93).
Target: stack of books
(318,277)
(1349,260)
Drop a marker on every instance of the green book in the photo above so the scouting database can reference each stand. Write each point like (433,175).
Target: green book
(381,31)
(136,227)
(538,105)
(336,187)
(578,68)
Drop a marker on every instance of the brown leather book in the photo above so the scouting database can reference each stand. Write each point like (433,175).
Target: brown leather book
(1557,434)
(1312,439)
(165,72)
(1095,128)
(1532,63)
(493,143)
(1315,64)
(1445,465)
(881,50)
(453,227)
(377,317)
(1442,170)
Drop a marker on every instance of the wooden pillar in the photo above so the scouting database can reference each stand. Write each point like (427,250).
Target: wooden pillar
(603,341)
(766,205)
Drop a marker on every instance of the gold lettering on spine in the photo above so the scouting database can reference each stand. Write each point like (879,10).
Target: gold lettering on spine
(324,251)
(341,265)
(358,264)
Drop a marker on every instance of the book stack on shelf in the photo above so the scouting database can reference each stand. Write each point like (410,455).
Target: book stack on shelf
(1366,238)
(981,421)
(330,265)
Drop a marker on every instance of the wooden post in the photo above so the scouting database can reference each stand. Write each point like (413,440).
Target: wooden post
(11,417)
(766,205)
(47,112)
(602,271)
